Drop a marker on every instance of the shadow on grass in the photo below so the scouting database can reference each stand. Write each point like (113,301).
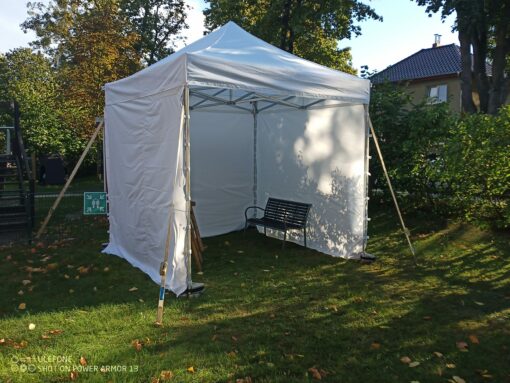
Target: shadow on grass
(272,314)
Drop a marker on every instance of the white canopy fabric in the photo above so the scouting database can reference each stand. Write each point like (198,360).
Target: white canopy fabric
(232,58)
(264,123)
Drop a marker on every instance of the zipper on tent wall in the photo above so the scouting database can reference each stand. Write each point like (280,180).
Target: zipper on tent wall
(255,170)
(366,175)
(187,169)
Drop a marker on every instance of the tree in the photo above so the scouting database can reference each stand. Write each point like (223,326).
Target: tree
(483,25)
(90,43)
(157,22)
(29,79)
(308,28)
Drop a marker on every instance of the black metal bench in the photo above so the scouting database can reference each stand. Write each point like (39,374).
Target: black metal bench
(281,215)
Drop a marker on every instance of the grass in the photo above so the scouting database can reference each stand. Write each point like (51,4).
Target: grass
(267,314)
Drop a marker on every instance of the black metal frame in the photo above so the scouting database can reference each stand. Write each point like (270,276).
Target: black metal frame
(276,223)
(26,197)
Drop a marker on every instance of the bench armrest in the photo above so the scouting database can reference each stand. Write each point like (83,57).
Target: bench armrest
(251,207)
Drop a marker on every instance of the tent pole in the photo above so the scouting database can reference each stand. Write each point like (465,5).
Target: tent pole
(187,247)
(187,168)
(255,181)
(99,125)
(404,228)
(365,180)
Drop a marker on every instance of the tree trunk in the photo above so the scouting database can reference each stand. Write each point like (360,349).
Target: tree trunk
(286,30)
(497,94)
(466,80)
(480,69)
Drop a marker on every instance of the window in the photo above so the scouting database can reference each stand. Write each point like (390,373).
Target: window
(438,94)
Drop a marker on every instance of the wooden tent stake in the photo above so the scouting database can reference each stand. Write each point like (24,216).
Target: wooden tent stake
(162,271)
(99,125)
(404,228)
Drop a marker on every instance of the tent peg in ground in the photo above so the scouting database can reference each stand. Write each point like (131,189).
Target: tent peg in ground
(367,258)
(196,290)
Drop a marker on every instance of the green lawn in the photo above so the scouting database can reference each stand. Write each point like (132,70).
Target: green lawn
(267,315)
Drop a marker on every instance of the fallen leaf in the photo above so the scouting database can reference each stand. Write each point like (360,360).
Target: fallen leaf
(33,250)
(22,306)
(106,269)
(26,282)
(44,336)
(31,326)
(244,380)
(315,373)
(234,338)
(83,361)
(375,346)
(479,303)
(450,365)
(56,332)
(405,359)
(458,379)
(73,375)
(19,345)
(414,364)
(133,289)
(438,354)
(484,374)
(153,379)
(474,339)
(2,341)
(83,269)
(52,266)
(191,370)
(137,345)
(166,375)
(462,346)
(20,292)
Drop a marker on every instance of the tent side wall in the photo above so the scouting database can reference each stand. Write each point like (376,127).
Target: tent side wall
(221,168)
(318,157)
(144,159)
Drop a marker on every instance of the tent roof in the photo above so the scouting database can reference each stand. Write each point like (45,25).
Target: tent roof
(232,58)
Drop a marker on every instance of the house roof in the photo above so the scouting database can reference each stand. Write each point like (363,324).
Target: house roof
(431,62)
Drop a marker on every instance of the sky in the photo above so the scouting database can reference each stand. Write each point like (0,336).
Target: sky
(405,30)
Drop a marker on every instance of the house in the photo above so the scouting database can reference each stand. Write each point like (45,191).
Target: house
(432,74)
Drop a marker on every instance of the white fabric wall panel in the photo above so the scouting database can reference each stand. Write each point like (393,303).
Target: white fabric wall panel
(221,168)
(146,184)
(317,157)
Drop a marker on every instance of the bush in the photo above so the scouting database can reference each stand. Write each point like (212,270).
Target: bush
(411,138)
(477,167)
(442,162)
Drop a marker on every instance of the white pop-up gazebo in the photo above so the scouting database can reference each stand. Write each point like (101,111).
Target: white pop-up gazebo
(229,121)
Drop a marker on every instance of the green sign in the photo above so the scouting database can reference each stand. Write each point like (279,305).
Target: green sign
(94,203)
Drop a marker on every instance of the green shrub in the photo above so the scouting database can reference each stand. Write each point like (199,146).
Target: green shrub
(412,138)
(477,167)
(440,161)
